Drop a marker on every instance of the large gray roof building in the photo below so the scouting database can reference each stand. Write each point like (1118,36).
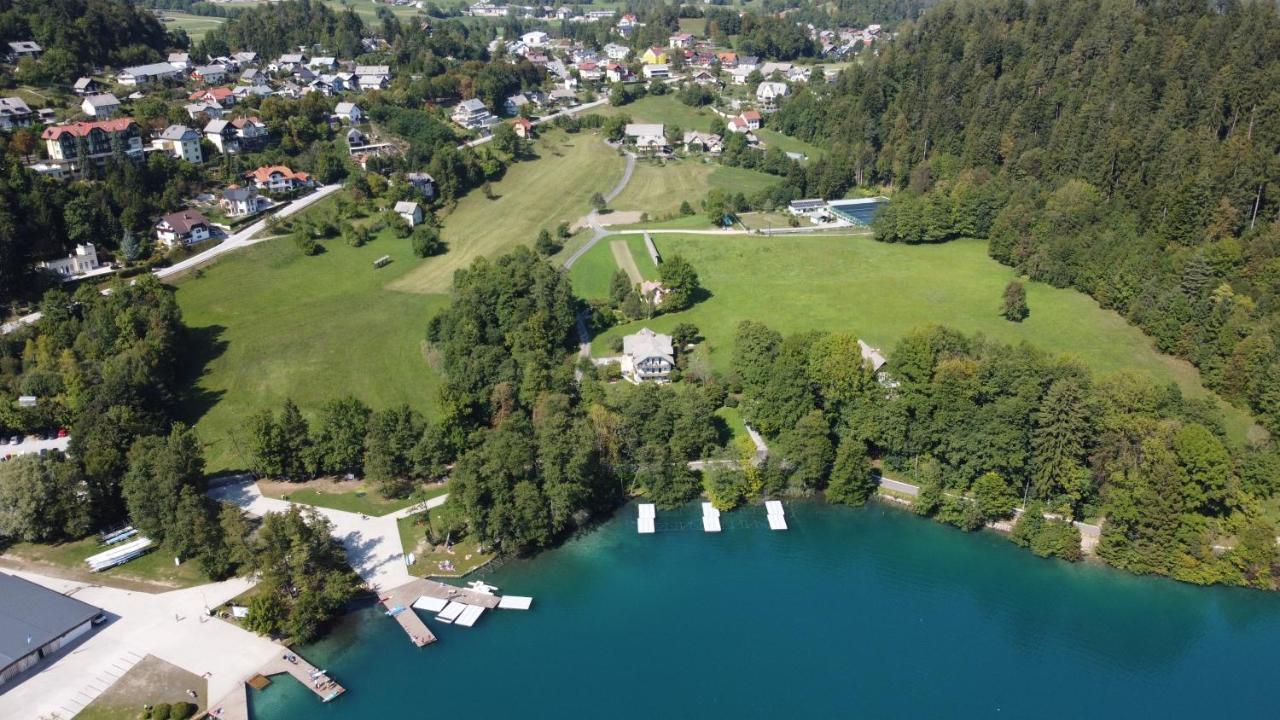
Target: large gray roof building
(35,622)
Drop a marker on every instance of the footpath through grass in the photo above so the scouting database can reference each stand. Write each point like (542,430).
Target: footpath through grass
(532,195)
(270,323)
(882,291)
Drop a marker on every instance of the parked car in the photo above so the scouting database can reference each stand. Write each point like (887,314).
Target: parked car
(15,440)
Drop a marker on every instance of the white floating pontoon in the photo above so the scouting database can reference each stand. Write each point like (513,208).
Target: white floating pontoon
(515,602)
(430,604)
(451,612)
(470,613)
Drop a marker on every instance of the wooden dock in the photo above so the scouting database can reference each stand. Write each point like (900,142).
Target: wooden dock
(419,634)
(306,673)
(416,588)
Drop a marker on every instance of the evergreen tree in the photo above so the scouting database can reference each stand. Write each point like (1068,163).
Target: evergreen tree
(851,482)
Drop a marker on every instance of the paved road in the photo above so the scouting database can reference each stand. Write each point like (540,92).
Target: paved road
(899,486)
(244,237)
(233,242)
(593,219)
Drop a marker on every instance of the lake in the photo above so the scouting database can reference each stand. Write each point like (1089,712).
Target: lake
(867,612)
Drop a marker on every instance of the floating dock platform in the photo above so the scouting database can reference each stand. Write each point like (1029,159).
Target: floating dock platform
(710,518)
(451,612)
(645,522)
(470,614)
(775,514)
(304,672)
(515,602)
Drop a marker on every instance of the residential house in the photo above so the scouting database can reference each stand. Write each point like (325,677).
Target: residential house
(780,68)
(356,139)
(709,143)
(245,58)
(373,77)
(655,56)
(423,183)
(739,75)
(536,38)
(329,84)
(590,71)
(24,49)
(180,60)
(513,104)
(86,86)
(597,15)
(563,97)
(680,41)
(627,24)
(705,77)
(146,74)
(769,93)
(484,9)
(203,110)
(254,76)
(648,138)
(410,212)
(181,142)
(185,227)
(617,52)
(71,146)
(289,62)
(15,113)
(222,135)
(727,59)
(323,64)
(648,356)
(100,106)
(617,72)
(217,96)
(660,71)
(750,62)
(279,178)
(349,112)
(241,201)
(799,73)
(83,260)
(746,121)
(523,127)
(472,115)
(209,74)
(250,131)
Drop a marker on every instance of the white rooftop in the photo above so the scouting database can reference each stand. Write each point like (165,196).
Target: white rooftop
(647,343)
(644,129)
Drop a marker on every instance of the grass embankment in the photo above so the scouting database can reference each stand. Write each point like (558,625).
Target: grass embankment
(354,496)
(883,291)
(465,555)
(269,323)
(151,682)
(532,195)
(154,572)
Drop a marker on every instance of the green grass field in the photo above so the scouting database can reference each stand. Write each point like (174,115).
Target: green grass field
(658,188)
(881,292)
(358,498)
(195,25)
(271,323)
(664,109)
(592,272)
(789,144)
(532,195)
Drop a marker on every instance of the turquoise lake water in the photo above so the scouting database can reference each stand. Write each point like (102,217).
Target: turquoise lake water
(850,613)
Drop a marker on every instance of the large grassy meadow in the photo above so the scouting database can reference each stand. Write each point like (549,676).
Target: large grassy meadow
(882,291)
(272,324)
(658,187)
(532,195)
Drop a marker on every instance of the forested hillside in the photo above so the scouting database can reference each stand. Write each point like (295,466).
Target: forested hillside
(1128,150)
(79,34)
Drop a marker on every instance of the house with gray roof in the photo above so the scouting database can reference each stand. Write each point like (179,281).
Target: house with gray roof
(648,356)
(101,106)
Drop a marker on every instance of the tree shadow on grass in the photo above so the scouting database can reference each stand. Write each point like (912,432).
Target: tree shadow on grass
(203,346)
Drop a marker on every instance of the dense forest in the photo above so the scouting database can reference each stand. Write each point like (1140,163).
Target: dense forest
(983,426)
(79,34)
(1128,150)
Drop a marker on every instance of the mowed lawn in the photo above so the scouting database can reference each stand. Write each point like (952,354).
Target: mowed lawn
(883,291)
(195,25)
(593,271)
(272,324)
(658,187)
(532,195)
(665,109)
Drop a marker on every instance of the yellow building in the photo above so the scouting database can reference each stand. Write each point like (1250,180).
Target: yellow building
(655,56)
